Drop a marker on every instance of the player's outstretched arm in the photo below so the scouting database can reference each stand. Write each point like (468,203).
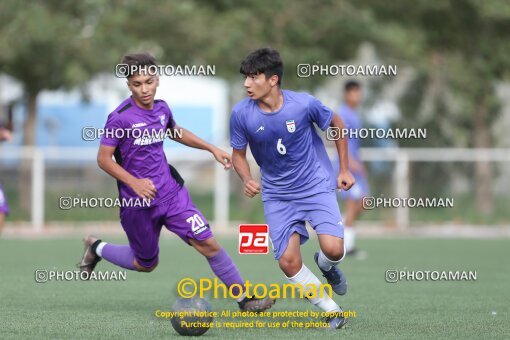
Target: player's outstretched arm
(190,139)
(345,179)
(241,166)
(143,187)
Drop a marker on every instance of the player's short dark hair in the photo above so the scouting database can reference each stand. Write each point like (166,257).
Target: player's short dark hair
(264,60)
(351,85)
(137,59)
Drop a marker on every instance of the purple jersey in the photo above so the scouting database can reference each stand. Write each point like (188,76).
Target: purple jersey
(127,129)
(4,208)
(352,122)
(292,158)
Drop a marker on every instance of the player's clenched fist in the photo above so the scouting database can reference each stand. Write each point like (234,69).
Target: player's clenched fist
(251,188)
(345,180)
(144,188)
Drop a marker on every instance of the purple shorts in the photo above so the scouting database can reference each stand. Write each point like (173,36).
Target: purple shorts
(288,217)
(4,208)
(178,214)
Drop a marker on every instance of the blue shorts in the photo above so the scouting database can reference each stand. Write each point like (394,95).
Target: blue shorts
(359,190)
(287,217)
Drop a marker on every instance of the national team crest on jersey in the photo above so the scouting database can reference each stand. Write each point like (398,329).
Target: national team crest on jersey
(291,125)
(162,119)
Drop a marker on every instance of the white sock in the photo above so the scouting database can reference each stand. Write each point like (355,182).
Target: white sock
(305,278)
(99,249)
(241,298)
(349,238)
(325,263)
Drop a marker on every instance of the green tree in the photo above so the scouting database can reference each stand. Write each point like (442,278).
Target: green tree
(48,45)
(460,50)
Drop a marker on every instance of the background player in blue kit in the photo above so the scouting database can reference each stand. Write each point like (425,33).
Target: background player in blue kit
(353,198)
(298,182)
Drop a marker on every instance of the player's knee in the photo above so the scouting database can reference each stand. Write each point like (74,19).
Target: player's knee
(152,268)
(290,265)
(335,253)
(148,269)
(144,269)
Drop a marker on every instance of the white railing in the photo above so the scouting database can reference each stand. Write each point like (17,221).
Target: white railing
(38,156)
(401,156)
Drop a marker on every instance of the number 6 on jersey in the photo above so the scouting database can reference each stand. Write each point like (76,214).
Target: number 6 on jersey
(282,150)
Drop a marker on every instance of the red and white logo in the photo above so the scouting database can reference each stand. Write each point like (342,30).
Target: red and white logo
(253,239)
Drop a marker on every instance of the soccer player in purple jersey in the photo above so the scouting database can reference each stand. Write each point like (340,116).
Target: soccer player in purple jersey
(142,172)
(5,135)
(353,198)
(297,177)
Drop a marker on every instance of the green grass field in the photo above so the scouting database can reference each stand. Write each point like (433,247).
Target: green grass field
(418,310)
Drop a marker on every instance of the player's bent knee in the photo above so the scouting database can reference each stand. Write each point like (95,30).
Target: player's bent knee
(290,265)
(334,253)
(144,269)
(147,269)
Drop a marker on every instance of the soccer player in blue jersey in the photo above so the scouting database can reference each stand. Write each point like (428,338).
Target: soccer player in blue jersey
(298,184)
(353,198)
(142,172)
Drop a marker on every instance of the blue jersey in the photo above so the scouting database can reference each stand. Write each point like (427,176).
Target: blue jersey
(352,122)
(292,158)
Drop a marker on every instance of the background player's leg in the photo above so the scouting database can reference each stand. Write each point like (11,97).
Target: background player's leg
(352,210)
(297,273)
